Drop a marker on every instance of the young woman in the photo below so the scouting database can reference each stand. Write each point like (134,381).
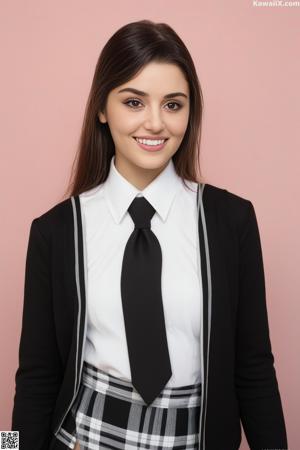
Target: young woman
(145,322)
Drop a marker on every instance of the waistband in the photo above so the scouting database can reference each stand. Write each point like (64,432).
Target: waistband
(170,397)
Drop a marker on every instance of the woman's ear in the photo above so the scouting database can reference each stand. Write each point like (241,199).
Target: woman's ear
(102,117)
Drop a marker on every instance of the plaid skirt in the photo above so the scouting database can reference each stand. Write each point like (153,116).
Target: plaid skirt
(108,412)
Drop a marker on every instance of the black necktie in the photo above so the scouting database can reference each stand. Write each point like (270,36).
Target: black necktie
(142,305)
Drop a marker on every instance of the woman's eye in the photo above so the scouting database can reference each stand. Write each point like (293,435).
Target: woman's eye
(135,101)
(174,103)
(132,101)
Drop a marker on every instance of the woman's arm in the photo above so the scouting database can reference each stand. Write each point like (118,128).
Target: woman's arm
(39,374)
(256,384)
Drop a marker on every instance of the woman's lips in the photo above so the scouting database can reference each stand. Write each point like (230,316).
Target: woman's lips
(151,148)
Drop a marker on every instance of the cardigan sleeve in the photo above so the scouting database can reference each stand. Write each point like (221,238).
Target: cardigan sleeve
(255,377)
(39,375)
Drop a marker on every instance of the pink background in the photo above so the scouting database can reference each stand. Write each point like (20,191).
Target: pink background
(247,60)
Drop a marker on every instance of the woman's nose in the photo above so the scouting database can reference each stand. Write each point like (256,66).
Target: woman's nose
(154,120)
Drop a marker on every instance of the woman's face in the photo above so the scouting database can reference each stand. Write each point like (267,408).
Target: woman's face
(152,113)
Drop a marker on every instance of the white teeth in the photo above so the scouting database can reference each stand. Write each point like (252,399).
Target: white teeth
(150,141)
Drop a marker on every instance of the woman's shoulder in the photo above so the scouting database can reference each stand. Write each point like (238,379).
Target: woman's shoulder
(55,218)
(217,193)
(61,213)
(232,206)
(212,192)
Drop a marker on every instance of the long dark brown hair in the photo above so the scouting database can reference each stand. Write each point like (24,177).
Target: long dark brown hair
(128,50)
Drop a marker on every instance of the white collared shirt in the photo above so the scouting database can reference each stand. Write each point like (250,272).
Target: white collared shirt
(107,226)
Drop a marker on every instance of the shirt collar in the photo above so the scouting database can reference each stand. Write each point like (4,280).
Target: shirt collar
(160,193)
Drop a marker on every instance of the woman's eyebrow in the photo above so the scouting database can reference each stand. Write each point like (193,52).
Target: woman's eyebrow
(137,92)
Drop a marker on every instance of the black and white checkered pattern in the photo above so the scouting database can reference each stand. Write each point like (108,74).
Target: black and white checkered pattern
(110,413)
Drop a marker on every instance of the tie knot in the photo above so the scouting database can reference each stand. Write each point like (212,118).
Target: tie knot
(141,212)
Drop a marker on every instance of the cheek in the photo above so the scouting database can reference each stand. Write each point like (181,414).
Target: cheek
(121,122)
(120,129)
(177,126)
(127,125)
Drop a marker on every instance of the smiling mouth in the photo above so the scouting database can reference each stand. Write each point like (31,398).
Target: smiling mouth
(142,139)
(151,147)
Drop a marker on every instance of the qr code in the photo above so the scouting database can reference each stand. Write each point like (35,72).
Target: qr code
(10,439)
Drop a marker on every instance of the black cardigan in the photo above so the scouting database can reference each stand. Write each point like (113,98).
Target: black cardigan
(239,385)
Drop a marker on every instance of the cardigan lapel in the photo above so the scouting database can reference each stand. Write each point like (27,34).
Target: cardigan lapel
(206,307)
